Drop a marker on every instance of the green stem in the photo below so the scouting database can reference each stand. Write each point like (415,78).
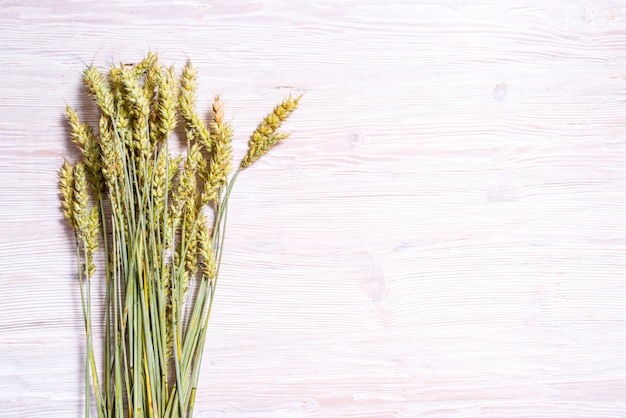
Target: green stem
(219,232)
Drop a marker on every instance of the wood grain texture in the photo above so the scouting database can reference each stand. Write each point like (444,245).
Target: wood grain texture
(444,235)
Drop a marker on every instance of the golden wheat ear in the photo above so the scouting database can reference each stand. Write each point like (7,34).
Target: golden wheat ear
(220,164)
(66,185)
(266,134)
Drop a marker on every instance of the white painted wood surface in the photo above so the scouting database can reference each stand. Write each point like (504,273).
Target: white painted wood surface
(444,235)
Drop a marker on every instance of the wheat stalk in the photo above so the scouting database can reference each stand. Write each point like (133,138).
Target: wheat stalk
(148,210)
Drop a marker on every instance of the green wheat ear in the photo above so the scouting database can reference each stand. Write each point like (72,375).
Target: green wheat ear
(147,211)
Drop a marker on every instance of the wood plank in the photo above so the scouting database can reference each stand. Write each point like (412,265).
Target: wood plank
(442,236)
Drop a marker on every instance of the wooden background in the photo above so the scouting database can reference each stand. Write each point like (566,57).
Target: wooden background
(444,235)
